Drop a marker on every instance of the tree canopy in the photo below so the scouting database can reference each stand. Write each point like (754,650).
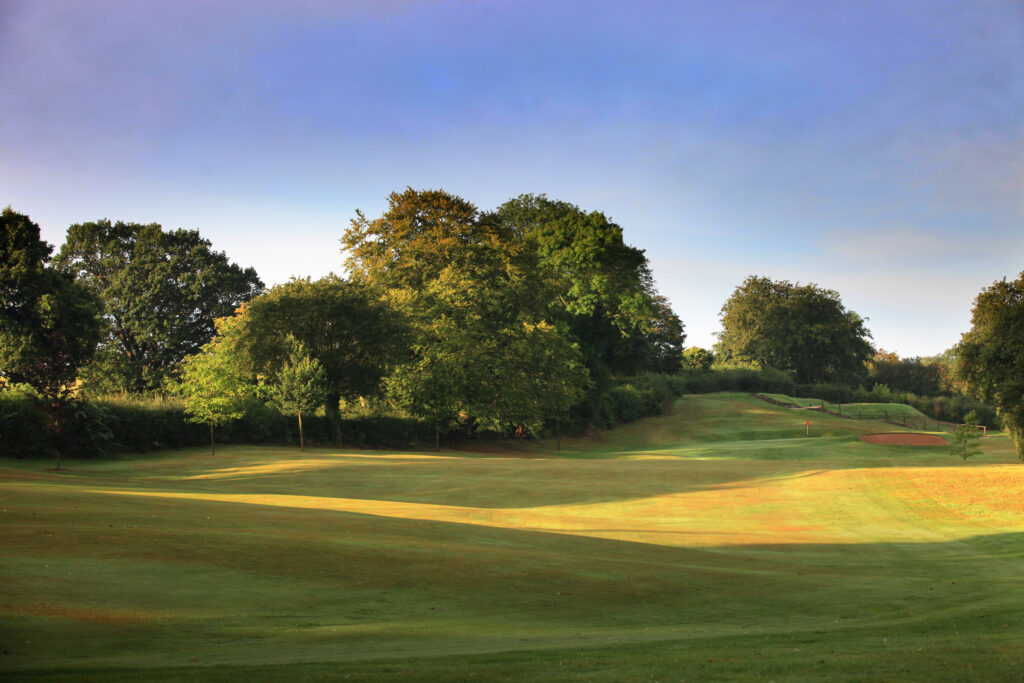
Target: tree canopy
(599,288)
(344,326)
(299,386)
(161,293)
(213,385)
(800,328)
(991,353)
(482,344)
(48,322)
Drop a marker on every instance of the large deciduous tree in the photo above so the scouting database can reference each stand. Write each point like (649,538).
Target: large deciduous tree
(49,324)
(800,328)
(483,344)
(991,354)
(161,293)
(600,288)
(344,326)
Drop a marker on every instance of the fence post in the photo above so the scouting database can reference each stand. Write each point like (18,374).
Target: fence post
(886,415)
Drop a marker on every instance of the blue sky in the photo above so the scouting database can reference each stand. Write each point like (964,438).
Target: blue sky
(875,148)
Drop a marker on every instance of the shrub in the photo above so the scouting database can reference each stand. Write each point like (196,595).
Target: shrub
(24,428)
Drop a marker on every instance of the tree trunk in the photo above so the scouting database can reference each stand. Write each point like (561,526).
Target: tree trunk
(331,408)
(302,444)
(212,451)
(437,438)
(558,431)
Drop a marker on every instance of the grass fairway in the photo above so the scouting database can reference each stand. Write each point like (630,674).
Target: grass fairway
(717,542)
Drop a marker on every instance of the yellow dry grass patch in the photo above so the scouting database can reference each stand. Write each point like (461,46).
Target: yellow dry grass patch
(306,464)
(827,506)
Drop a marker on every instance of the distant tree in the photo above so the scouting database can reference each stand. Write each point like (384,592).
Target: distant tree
(801,328)
(299,386)
(161,292)
(49,324)
(913,375)
(213,386)
(991,354)
(696,358)
(344,326)
(965,437)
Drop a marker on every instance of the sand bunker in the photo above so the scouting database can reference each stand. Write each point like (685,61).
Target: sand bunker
(904,439)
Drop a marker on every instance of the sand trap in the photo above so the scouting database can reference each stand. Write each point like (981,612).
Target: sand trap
(904,439)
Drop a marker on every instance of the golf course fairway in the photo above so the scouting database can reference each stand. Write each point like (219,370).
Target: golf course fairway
(716,542)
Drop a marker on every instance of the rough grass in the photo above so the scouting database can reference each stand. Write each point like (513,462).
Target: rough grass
(717,542)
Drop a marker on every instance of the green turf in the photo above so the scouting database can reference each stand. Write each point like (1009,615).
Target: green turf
(716,542)
(861,411)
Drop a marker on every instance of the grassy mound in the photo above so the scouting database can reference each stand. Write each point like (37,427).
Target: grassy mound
(717,542)
(862,411)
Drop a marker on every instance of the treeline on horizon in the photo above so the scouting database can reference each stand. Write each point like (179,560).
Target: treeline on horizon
(530,320)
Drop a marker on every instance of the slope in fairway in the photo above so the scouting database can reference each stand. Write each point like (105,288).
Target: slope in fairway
(714,542)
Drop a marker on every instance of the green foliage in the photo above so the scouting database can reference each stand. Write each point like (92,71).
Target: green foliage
(600,288)
(213,387)
(991,354)
(737,379)
(804,329)
(966,438)
(48,323)
(299,386)
(24,426)
(912,375)
(353,335)
(484,351)
(696,358)
(161,293)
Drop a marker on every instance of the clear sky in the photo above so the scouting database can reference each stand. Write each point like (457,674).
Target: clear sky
(874,148)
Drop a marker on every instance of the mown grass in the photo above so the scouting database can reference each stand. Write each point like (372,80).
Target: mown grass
(860,411)
(717,542)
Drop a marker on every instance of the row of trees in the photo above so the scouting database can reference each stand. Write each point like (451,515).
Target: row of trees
(494,320)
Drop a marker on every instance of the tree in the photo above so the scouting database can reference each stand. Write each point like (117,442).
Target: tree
(343,325)
(299,386)
(601,288)
(482,338)
(696,358)
(906,374)
(49,323)
(213,386)
(991,354)
(161,292)
(800,328)
(965,437)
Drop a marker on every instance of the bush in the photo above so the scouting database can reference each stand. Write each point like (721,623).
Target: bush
(737,379)
(24,428)
(833,393)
